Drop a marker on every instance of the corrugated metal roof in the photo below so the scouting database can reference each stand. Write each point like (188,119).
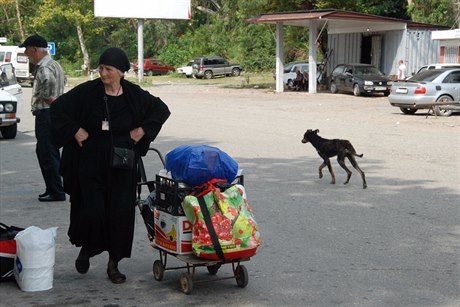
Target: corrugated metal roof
(339,18)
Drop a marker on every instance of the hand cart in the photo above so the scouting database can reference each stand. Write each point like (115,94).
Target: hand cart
(188,278)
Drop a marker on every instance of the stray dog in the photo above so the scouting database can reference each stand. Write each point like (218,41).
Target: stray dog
(330,148)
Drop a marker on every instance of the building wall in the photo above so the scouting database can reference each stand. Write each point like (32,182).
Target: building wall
(420,49)
(413,46)
(449,51)
(345,48)
(393,50)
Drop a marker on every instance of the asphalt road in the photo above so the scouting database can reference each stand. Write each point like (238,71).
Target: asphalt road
(397,243)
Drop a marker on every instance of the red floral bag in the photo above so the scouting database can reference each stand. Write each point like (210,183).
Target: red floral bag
(224,227)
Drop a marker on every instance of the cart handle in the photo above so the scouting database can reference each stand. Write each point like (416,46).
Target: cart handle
(159,154)
(141,171)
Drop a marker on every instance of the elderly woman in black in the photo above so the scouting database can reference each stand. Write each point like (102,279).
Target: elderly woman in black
(88,122)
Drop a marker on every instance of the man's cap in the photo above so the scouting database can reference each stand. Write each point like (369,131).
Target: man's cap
(35,41)
(115,57)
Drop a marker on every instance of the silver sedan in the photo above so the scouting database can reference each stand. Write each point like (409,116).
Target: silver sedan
(437,89)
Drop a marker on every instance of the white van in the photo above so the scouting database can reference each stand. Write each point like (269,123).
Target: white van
(20,61)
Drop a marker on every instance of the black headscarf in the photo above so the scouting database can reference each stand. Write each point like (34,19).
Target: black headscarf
(115,57)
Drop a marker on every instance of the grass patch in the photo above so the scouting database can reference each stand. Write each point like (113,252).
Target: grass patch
(245,80)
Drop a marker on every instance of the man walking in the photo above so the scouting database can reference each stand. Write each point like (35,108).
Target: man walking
(48,85)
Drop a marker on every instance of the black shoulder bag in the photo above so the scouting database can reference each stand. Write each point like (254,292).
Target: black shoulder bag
(122,158)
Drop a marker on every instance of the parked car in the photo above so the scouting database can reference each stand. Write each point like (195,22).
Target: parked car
(427,88)
(289,72)
(437,66)
(154,67)
(186,70)
(210,66)
(359,79)
(10,101)
(290,69)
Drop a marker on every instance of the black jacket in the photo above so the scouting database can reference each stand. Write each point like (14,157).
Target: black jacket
(68,115)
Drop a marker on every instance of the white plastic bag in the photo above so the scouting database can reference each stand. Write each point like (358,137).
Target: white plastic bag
(34,262)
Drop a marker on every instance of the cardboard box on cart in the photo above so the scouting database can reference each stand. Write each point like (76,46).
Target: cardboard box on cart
(173,233)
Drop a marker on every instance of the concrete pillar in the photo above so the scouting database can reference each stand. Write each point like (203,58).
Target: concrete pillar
(279,57)
(140,49)
(313,32)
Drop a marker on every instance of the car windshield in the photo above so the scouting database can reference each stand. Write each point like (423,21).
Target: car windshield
(367,70)
(427,75)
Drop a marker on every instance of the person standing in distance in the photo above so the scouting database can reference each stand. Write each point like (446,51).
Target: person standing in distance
(48,85)
(401,70)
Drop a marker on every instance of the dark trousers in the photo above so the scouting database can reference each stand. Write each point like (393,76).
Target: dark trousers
(48,155)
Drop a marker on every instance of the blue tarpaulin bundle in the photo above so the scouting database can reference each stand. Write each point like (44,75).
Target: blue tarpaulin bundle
(197,164)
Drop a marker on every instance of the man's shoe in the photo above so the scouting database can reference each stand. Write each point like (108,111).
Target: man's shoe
(51,198)
(43,194)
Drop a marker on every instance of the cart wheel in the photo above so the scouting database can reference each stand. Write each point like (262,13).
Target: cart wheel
(186,283)
(241,276)
(212,269)
(158,270)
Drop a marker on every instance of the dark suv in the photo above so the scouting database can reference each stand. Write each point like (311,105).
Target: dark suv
(210,66)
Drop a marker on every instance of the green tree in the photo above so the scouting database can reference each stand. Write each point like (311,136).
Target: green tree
(73,16)
(15,15)
(441,12)
(387,8)
(216,27)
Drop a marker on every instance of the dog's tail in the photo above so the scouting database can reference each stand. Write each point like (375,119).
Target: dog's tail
(361,155)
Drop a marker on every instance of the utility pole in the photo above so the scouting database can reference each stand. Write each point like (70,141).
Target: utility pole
(457,9)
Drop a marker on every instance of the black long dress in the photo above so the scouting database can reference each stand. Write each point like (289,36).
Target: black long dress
(103,198)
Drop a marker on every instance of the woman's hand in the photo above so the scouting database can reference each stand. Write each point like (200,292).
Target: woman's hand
(137,134)
(81,136)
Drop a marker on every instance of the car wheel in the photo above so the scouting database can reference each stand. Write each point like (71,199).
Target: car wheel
(235,72)
(149,73)
(290,83)
(9,132)
(208,74)
(356,90)
(408,111)
(387,93)
(333,87)
(439,110)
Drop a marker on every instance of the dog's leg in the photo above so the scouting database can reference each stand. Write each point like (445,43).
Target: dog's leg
(355,165)
(329,166)
(341,161)
(323,165)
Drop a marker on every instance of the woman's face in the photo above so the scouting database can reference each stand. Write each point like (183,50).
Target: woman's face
(109,74)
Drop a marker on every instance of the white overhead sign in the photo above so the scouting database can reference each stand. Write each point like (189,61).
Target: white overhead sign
(147,9)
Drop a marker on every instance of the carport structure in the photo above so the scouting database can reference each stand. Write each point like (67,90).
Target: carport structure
(336,22)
